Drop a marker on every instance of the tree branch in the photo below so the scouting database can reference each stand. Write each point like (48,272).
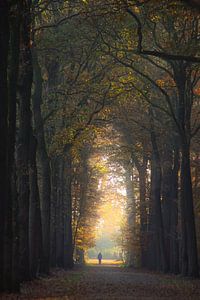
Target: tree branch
(164,55)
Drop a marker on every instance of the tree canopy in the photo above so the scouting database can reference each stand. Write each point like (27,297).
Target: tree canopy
(99,115)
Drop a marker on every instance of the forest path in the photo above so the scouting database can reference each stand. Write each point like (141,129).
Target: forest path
(108,282)
(117,283)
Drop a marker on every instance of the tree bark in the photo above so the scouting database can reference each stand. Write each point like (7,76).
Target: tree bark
(53,225)
(60,215)
(131,215)
(160,253)
(26,76)
(68,239)
(4,41)
(35,226)
(167,165)
(190,255)
(174,245)
(43,161)
(142,170)
(11,234)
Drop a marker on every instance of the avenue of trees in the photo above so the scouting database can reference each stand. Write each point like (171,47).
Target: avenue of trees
(80,79)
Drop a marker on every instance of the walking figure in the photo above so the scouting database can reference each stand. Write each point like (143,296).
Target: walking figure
(99,257)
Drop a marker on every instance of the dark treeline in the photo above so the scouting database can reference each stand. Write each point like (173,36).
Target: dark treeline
(67,70)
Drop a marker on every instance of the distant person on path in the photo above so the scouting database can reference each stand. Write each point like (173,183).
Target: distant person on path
(99,257)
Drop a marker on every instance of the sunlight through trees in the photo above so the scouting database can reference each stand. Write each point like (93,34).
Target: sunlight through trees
(99,131)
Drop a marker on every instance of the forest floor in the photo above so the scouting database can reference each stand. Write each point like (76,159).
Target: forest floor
(107,282)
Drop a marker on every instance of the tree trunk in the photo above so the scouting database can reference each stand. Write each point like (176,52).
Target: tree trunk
(11,234)
(43,161)
(131,215)
(189,250)
(35,226)
(143,213)
(151,239)
(4,40)
(26,76)
(60,214)
(67,208)
(174,245)
(157,211)
(167,165)
(53,225)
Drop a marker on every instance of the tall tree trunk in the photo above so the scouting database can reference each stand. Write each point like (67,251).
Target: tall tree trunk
(131,215)
(60,214)
(167,165)
(190,243)
(4,40)
(35,225)
(157,211)
(151,239)
(43,161)
(174,245)
(26,76)
(11,235)
(67,208)
(10,274)
(142,170)
(53,225)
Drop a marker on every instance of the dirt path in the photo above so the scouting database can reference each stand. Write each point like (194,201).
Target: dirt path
(108,283)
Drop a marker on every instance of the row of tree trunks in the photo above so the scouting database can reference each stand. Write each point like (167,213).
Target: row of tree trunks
(163,250)
(25,222)
(15,226)
(189,256)
(61,211)
(164,182)
(174,158)
(170,168)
